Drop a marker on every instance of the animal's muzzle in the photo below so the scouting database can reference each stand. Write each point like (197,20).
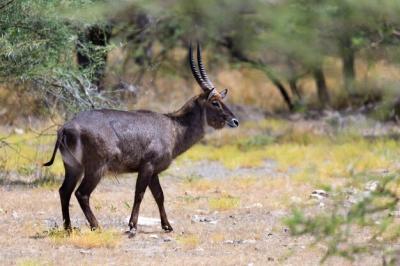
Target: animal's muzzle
(233,122)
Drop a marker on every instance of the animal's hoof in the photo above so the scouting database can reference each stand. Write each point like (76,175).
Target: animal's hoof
(69,230)
(131,233)
(167,228)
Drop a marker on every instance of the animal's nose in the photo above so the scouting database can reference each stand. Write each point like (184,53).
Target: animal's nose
(233,122)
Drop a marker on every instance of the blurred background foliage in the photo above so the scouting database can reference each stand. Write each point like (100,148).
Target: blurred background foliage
(58,57)
(304,55)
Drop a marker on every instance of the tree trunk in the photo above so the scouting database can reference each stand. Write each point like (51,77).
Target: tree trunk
(238,55)
(292,80)
(323,94)
(348,61)
(294,88)
(90,58)
(280,87)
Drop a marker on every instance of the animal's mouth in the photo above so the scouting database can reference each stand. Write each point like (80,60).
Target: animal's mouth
(233,123)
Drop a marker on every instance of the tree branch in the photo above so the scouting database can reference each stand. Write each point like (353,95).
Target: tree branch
(238,55)
(6,4)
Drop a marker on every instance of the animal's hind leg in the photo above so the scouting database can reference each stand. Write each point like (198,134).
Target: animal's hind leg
(89,183)
(141,184)
(72,176)
(158,195)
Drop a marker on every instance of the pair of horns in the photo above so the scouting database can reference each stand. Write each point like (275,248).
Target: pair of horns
(200,75)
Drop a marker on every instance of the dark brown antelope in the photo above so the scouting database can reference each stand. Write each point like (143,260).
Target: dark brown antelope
(99,141)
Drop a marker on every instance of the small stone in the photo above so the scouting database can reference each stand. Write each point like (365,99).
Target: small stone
(319,194)
(351,191)
(270,259)
(372,186)
(255,205)
(203,219)
(154,236)
(19,131)
(167,239)
(240,241)
(85,251)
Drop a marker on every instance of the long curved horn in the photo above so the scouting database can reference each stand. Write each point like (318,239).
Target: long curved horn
(201,68)
(195,72)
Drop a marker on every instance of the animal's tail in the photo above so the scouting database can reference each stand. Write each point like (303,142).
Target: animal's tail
(60,135)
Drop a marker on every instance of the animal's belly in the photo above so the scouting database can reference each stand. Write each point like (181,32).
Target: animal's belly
(124,165)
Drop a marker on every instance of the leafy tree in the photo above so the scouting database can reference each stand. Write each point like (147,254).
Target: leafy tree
(38,50)
(49,44)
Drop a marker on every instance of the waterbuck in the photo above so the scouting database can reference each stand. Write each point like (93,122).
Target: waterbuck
(98,141)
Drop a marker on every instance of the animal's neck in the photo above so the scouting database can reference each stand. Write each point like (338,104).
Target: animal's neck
(189,125)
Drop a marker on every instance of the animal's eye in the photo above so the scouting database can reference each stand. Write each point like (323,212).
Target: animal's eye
(215,103)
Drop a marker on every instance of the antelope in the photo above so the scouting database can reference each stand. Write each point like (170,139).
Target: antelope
(99,141)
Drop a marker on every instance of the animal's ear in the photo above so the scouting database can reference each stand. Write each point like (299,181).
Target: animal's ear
(223,93)
(211,94)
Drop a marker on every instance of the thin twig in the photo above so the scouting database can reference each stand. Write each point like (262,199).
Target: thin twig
(6,4)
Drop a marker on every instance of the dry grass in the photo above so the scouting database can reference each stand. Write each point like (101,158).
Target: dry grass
(87,239)
(27,152)
(217,237)
(223,203)
(201,184)
(248,209)
(33,262)
(314,156)
(311,156)
(188,241)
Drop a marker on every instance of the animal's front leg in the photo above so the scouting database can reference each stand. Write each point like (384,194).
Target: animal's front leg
(141,184)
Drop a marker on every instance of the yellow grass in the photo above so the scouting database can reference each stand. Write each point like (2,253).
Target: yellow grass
(311,156)
(202,184)
(217,237)
(223,203)
(305,155)
(87,239)
(27,152)
(32,262)
(188,241)
(244,182)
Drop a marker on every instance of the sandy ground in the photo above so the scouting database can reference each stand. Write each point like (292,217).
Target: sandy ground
(250,233)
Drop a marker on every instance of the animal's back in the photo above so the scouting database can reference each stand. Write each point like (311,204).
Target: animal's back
(120,140)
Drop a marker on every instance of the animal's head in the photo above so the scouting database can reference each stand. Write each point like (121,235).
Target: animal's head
(217,113)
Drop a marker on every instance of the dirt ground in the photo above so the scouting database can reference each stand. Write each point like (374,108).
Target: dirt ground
(227,200)
(206,232)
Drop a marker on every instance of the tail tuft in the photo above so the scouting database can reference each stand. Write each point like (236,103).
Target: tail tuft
(48,163)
